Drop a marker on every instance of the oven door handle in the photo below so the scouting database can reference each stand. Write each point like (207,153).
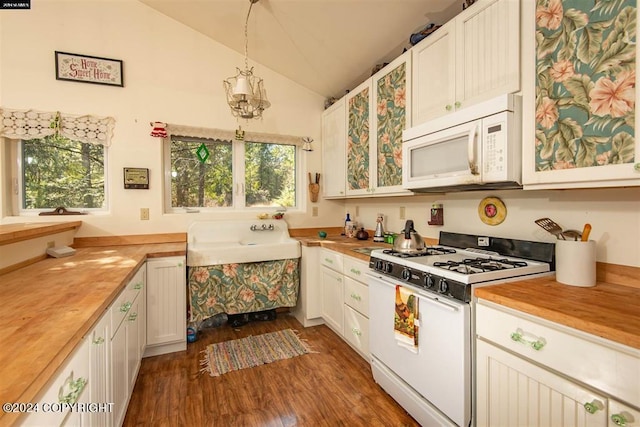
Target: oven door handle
(436,300)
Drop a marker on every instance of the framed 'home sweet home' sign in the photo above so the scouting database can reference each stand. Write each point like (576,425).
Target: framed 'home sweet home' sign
(88,69)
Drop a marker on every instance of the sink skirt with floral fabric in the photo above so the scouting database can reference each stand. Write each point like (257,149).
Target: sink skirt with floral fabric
(243,288)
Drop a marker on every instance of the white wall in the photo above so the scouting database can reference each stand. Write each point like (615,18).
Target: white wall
(171,74)
(613,213)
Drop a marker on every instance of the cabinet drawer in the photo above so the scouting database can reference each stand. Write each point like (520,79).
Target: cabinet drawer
(356,295)
(331,259)
(355,268)
(356,330)
(614,369)
(124,302)
(69,385)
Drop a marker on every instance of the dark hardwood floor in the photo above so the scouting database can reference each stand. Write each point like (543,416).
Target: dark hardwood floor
(333,387)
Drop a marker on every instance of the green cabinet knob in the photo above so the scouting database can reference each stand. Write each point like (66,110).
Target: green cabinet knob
(637,167)
(622,419)
(593,406)
(448,107)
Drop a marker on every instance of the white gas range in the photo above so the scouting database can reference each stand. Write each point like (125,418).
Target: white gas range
(433,381)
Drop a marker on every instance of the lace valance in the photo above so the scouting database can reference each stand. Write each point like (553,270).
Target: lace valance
(230,135)
(32,124)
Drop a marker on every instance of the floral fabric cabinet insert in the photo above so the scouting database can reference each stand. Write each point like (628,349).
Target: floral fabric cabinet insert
(358,139)
(585,95)
(377,112)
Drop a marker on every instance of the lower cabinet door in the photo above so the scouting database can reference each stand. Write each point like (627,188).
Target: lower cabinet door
(119,384)
(514,392)
(333,299)
(132,322)
(68,387)
(356,330)
(99,379)
(166,310)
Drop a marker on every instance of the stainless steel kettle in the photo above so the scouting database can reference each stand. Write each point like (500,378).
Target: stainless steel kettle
(409,241)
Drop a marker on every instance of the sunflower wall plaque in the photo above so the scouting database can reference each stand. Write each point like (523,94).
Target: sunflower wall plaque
(585,83)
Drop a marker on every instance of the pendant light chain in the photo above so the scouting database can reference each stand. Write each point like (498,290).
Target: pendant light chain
(245,91)
(246,37)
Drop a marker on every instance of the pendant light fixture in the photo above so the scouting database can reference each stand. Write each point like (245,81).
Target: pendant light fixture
(245,91)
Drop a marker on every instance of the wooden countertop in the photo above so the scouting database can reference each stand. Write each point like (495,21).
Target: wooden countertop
(606,310)
(346,245)
(48,307)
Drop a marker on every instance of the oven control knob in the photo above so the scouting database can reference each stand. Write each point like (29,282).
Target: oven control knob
(428,281)
(379,265)
(388,267)
(443,286)
(406,274)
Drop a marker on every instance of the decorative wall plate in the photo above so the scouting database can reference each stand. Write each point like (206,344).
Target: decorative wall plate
(492,210)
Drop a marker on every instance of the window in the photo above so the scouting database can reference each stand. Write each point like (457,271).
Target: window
(234,174)
(57,171)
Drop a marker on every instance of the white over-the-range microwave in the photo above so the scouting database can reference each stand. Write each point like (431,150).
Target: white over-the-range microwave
(475,148)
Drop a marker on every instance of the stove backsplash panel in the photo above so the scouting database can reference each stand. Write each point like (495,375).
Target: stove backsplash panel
(538,251)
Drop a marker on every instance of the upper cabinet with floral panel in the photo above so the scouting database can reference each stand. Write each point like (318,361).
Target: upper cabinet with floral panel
(377,112)
(584,87)
(392,101)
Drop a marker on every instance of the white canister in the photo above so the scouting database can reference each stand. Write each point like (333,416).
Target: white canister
(576,262)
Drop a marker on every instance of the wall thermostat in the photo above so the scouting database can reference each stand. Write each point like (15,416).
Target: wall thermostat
(136,178)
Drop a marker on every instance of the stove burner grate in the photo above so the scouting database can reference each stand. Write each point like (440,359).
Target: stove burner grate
(429,250)
(479,265)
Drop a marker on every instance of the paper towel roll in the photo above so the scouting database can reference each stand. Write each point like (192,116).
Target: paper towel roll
(576,262)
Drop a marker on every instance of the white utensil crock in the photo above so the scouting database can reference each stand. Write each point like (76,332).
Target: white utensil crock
(576,262)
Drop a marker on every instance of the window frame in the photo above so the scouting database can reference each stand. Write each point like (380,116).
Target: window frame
(238,186)
(17,173)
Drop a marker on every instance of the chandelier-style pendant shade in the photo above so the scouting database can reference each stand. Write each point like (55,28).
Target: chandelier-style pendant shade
(246,95)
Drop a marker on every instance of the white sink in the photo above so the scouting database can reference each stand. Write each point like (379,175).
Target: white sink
(239,241)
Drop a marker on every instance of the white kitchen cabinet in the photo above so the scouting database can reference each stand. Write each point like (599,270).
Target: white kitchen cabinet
(345,298)
(69,385)
(308,309)
(473,57)
(582,155)
(119,381)
(334,143)
(356,310)
(166,306)
(100,372)
(514,392)
(332,283)
(434,65)
(133,323)
(125,347)
(377,112)
(542,371)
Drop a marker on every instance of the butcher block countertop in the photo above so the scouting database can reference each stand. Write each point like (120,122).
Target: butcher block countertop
(346,245)
(48,307)
(606,310)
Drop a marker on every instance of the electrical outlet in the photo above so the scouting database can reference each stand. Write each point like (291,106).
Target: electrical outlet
(402,212)
(357,211)
(314,211)
(51,244)
(144,214)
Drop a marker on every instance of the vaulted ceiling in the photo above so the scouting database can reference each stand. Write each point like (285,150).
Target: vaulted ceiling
(327,46)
